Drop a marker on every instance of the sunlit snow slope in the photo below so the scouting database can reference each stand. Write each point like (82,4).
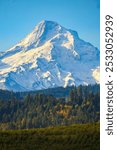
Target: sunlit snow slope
(50,56)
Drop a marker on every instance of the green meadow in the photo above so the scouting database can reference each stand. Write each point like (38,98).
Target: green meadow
(73,137)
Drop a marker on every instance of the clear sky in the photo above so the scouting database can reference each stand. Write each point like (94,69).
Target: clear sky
(19,17)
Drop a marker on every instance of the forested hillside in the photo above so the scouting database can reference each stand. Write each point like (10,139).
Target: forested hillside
(39,109)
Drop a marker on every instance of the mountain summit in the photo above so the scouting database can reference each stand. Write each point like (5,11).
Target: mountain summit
(50,56)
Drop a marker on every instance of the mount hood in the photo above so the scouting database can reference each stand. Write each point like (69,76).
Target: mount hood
(50,56)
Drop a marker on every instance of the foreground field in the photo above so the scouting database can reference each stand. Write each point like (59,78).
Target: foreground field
(74,137)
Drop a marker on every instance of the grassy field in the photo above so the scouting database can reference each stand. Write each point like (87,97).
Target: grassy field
(73,137)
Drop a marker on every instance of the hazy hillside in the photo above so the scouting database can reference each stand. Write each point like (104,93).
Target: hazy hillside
(56,92)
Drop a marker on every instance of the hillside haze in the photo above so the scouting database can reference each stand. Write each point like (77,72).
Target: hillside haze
(50,56)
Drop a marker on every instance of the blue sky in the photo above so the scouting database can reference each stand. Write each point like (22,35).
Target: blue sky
(19,17)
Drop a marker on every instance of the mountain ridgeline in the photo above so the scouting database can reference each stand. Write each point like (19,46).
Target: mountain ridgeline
(39,109)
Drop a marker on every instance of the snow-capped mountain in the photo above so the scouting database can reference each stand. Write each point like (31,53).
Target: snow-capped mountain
(50,56)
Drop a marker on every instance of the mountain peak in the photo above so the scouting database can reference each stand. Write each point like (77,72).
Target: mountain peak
(46,24)
(43,31)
